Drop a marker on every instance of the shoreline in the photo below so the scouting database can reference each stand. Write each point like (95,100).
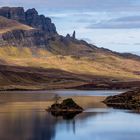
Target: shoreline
(84,86)
(37,90)
(129,100)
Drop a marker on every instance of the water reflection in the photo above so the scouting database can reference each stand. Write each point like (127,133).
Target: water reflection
(40,125)
(26,126)
(36,125)
(132,107)
(65,116)
(26,120)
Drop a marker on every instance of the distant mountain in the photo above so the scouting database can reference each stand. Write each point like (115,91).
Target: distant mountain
(29,39)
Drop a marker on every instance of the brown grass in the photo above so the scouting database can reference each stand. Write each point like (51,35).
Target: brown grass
(103,65)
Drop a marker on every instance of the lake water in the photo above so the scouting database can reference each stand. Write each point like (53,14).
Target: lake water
(23,117)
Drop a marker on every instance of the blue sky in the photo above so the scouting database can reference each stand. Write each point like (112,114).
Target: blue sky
(113,24)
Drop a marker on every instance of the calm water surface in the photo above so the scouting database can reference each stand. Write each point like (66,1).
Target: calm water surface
(23,117)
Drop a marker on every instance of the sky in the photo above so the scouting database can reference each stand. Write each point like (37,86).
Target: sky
(113,24)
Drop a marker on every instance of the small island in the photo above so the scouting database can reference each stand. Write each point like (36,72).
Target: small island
(67,109)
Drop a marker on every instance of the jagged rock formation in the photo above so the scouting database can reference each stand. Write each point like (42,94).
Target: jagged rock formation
(74,35)
(68,36)
(40,28)
(15,13)
(25,38)
(29,17)
(39,21)
(42,33)
(36,30)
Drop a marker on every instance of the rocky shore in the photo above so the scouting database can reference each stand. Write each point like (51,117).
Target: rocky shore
(127,100)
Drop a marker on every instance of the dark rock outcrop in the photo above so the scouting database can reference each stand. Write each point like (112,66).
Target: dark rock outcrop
(29,17)
(129,99)
(23,38)
(67,109)
(68,105)
(74,35)
(39,21)
(72,38)
(43,34)
(15,13)
(68,36)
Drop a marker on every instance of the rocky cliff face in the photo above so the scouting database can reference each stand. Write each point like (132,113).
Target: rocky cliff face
(42,34)
(39,21)
(13,13)
(39,39)
(29,17)
(23,38)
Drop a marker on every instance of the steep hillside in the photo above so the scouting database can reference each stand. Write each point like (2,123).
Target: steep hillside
(28,39)
(44,35)
(104,65)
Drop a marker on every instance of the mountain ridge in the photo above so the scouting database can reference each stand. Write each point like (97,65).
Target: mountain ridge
(39,47)
(44,33)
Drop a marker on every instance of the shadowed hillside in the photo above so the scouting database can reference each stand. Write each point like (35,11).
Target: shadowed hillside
(12,77)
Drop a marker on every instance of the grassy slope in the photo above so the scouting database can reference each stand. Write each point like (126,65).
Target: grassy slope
(13,77)
(103,65)
(8,25)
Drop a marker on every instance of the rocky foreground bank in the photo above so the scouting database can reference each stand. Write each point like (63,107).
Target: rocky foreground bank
(128,100)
